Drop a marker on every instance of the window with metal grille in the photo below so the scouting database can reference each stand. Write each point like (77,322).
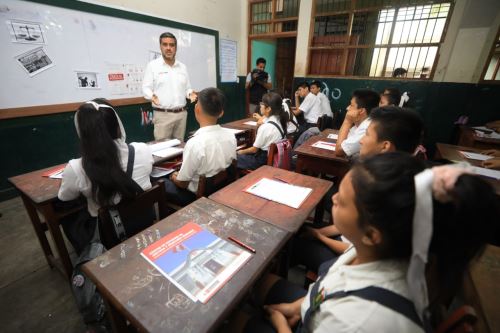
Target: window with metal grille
(273,17)
(377,38)
(491,72)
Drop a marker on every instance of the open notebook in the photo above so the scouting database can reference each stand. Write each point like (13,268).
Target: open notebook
(279,191)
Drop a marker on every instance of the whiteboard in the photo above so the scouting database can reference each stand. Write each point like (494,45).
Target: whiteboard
(90,46)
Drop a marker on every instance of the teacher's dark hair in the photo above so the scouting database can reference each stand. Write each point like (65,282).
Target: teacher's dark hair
(100,156)
(168,35)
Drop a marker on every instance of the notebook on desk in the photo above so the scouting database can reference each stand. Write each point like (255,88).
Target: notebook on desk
(280,192)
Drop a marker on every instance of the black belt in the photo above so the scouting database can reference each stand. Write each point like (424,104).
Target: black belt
(169,110)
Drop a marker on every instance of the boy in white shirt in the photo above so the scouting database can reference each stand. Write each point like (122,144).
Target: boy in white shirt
(310,107)
(210,150)
(324,102)
(356,122)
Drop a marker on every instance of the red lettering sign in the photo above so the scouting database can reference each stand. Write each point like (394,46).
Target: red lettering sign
(115,76)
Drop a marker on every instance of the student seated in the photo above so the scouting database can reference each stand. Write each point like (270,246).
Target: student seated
(269,132)
(391,129)
(292,126)
(309,110)
(385,205)
(356,122)
(315,88)
(390,96)
(210,150)
(100,174)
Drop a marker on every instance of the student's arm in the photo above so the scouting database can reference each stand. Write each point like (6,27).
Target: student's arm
(249,81)
(343,133)
(178,183)
(250,150)
(493,163)
(285,315)
(330,230)
(192,159)
(297,104)
(335,245)
(69,189)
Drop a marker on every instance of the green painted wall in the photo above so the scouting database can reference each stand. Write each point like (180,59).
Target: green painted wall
(267,50)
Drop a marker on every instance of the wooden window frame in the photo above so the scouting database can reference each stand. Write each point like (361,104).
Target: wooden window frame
(490,56)
(273,21)
(347,47)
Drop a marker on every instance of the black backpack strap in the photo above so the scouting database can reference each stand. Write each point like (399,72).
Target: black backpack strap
(130,169)
(278,127)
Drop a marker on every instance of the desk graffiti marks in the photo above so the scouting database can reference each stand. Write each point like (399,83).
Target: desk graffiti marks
(104,260)
(123,250)
(158,235)
(177,301)
(138,241)
(141,280)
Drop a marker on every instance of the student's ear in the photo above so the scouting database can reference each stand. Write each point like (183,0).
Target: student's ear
(372,236)
(388,146)
(221,114)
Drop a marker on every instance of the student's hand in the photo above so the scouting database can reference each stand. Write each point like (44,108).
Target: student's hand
(156,100)
(493,163)
(351,116)
(278,320)
(256,116)
(492,152)
(193,97)
(297,94)
(444,181)
(173,176)
(290,311)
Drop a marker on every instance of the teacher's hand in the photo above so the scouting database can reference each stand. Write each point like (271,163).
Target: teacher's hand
(156,100)
(193,97)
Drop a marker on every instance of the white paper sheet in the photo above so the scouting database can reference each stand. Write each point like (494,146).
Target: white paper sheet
(492,135)
(475,156)
(169,152)
(57,174)
(160,172)
(324,145)
(164,144)
(333,136)
(486,172)
(234,131)
(279,191)
(250,123)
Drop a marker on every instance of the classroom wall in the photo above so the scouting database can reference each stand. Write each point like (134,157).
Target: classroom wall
(266,49)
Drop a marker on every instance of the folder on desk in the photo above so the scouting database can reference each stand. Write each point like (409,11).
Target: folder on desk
(56,173)
(280,192)
(324,145)
(164,144)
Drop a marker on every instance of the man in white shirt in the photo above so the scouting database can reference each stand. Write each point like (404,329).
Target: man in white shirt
(356,122)
(258,82)
(166,84)
(324,102)
(310,107)
(210,150)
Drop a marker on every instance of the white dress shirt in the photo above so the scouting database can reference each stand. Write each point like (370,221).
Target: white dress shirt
(169,83)
(311,106)
(268,133)
(354,314)
(210,150)
(325,104)
(76,182)
(351,144)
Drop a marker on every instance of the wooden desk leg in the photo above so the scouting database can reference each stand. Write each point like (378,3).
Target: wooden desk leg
(300,165)
(118,322)
(53,224)
(37,225)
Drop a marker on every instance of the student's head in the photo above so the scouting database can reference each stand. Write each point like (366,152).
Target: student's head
(375,205)
(390,96)
(315,87)
(168,46)
(303,89)
(392,129)
(210,105)
(272,105)
(260,63)
(399,72)
(362,103)
(98,127)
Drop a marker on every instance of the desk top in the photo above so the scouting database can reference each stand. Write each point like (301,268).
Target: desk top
(38,188)
(451,152)
(285,217)
(239,124)
(151,302)
(469,138)
(307,149)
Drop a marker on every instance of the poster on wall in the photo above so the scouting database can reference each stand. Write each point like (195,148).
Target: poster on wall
(25,32)
(125,79)
(87,80)
(35,61)
(227,51)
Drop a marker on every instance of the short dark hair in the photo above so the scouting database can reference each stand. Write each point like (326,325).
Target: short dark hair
(393,95)
(401,126)
(315,83)
(260,61)
(168,35)
(212,101)
(304,84)
(367,99)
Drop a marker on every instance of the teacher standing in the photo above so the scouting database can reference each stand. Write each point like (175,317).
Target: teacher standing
(166,84)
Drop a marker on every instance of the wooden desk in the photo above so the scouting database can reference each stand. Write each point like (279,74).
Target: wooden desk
(285,217)
(313,161)
(250,131)
(451,153)
(136,291)
(482,290)
(469,138)
(39,195)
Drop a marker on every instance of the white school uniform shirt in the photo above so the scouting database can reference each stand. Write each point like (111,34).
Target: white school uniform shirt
(268,133)
(311,106)
(351,144)
(325,105)
(76,182)
(210,150)
(354,314)
(170,83)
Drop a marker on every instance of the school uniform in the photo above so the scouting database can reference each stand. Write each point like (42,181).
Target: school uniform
(267,134)
(210,150)
(351,145)
(325,104)
(311,107)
